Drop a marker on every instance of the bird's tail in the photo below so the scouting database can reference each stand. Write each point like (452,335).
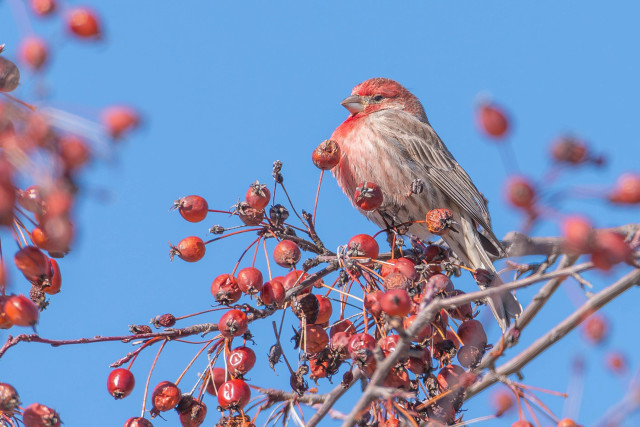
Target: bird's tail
(466,244)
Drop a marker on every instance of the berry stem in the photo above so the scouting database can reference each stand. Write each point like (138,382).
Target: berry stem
(146,386)
(191,363)
(343,293)
(315,205)
(266,255)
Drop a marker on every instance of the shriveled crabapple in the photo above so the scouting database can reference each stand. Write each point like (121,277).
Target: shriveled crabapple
(120,383)
(21,311)
(286,253)
(84,23)
(225,290)
(492,120)
(520,192)
(258,196)
(38,415)
(190,249)
(396,281)
(326,155)
(627,190)
(388,344)
(250,280)
(165,396)
(361,347)
(215,378)
(234,395)
(191,411)
(138,422)
(192,208)
(305,306)
(247,214)
(368,196)
(570,150)
(240,361)
(9,75)
(9,399)
(396,302)
(440,221)
(233,323)
(34,52)
(164,321)
(273,293)
(339,343)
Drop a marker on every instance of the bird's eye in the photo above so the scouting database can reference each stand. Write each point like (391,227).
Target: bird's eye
(377,98)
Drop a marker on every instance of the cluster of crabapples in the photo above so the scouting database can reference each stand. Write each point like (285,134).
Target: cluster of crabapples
(34,415)
(393,289)
(34,149)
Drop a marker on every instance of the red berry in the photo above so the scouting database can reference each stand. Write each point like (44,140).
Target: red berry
(492,120)
(502,400)
(404,266)
(520,192)
(119,120)
(250,280)
(273,293)
(286,253)
(37,415)
(616,362)
(9,399)
(627,190)
(225,290)
(249,215)
(469,355)
(234,394)
(396,302)
(21,311)
(84,23)
(462,312)
(342,326)
(595,328)
(316,339)
(138,422)
(522,423)
(388,344)
(165,396)
(192,208)
(233,323)
(218,379)
(34,52)
(74,152)
(339,343)
(423,334)
(372,303)
(449,377)
(56,279)
(610,249)
(33,264)
(568,149)
(9,75)
(5,322)
(240,361)
(120,383)
(567,422)
(472,333)
(294,278)
(326,155)
(578,234)
(439,284)
(324,310)
(43,7)
(258,196)
(190,249)
(363,245)
(368,196)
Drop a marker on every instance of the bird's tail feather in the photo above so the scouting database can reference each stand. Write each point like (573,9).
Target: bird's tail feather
(467,245)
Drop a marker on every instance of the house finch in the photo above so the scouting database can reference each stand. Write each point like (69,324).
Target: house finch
(388,140)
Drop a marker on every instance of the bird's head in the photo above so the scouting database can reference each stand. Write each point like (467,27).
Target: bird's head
(382,94)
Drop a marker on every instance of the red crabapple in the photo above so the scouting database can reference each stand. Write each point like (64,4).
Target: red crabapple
(120,383)
(368,196)
(492,120)
(326,155)
(286,253)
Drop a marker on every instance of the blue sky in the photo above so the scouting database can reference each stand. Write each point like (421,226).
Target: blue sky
(226,89)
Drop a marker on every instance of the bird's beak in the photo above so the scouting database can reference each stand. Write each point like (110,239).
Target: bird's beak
(353,103)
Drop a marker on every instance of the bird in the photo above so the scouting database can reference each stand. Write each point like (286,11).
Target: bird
(388,140)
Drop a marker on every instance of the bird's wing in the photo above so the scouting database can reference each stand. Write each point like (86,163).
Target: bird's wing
(421,144)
